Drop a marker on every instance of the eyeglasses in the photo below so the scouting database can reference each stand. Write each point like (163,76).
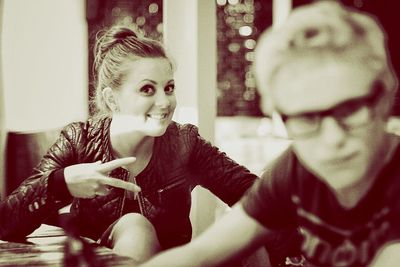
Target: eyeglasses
(350,115)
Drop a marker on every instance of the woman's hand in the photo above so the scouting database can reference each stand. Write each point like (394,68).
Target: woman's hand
(87,180)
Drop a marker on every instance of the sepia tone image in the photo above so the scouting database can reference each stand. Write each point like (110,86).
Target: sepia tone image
(240,133)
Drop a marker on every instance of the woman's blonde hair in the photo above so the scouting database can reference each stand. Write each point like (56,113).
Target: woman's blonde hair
(115,48)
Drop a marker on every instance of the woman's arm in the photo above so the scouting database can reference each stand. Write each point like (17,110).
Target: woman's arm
(58,178)
(232,237)
(225,178)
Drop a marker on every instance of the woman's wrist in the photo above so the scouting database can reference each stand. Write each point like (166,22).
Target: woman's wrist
(57,185)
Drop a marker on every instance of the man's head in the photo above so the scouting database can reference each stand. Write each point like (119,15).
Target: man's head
(327,73)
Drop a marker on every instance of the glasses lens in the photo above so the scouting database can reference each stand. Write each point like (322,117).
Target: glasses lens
(355,117)
(302,125)
(357,112)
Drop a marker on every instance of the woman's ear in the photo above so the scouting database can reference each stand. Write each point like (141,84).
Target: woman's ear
(109,99)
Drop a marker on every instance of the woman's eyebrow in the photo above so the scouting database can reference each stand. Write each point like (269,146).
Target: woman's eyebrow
(148,80)
(152,81)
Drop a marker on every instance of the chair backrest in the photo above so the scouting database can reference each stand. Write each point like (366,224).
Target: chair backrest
(23,151)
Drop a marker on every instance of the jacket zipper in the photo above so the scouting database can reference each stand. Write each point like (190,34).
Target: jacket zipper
(124,197)
(168,187)
(171,185)
(139,197)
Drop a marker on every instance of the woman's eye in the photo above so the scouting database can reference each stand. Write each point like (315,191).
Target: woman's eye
(148,90)
(169,89)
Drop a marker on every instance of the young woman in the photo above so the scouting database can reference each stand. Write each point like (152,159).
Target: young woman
(128,171)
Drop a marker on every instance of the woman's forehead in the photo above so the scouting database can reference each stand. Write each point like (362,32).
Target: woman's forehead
(143,67)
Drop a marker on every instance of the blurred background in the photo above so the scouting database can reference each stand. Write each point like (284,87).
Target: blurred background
(46,73)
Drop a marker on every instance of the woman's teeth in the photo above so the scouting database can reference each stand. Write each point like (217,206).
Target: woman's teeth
(157,116)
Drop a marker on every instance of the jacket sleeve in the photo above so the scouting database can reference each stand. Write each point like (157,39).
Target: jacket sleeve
(216,171)
(32,202)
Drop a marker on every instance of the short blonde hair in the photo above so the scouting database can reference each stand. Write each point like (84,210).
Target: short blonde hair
(323,29)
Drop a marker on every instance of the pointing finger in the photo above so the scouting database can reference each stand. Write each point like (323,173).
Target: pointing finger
(119,184)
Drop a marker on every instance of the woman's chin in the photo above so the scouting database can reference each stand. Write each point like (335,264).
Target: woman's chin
(155,133)
(156,130)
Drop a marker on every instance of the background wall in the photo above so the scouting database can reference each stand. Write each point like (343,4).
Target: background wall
(43,67)
(44,59)
(2,130)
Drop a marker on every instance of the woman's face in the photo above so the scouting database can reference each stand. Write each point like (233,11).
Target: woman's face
(146,100)
(338,156)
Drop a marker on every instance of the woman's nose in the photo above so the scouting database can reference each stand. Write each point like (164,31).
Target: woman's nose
(162,100)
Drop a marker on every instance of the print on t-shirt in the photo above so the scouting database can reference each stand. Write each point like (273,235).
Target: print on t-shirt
(352,246)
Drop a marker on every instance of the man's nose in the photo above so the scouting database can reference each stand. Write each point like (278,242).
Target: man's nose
(331,132)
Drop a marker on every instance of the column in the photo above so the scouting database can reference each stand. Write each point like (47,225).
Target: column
(190,37)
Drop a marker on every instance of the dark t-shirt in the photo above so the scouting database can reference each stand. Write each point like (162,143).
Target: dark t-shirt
(288,196)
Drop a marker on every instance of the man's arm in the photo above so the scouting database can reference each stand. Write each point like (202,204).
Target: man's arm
(233,236)
(389,256)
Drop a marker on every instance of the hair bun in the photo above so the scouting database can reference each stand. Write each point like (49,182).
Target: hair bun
(121,33)
(107,39)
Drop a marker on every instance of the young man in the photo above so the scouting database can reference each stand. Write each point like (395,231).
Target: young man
(327,73)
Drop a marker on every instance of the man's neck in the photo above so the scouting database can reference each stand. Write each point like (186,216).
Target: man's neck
(351,195)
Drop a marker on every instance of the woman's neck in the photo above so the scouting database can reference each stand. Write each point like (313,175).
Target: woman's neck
(129,143)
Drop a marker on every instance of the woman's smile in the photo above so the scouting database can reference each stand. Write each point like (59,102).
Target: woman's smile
(158,116)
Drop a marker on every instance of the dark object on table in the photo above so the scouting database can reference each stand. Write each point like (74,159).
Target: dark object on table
(78,251)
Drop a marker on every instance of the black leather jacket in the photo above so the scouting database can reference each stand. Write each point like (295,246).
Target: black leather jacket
(181,160)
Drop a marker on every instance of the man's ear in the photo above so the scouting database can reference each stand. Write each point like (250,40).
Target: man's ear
(385,104)
(110,99)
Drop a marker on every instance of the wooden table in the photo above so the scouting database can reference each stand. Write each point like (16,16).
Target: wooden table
(45,247)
